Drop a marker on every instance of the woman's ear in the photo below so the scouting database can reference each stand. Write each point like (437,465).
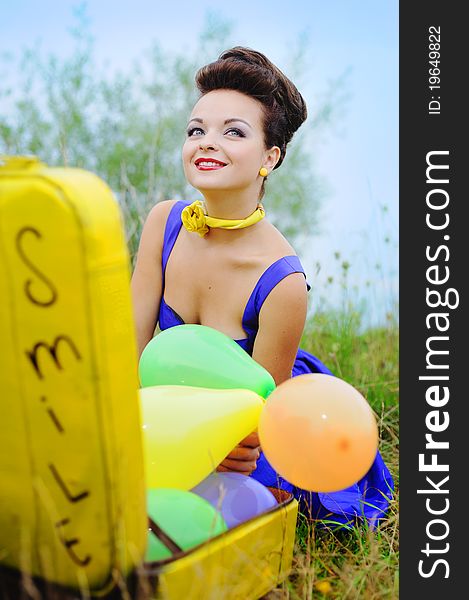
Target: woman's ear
(271,158)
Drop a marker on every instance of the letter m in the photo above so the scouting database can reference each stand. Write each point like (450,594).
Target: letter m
(431,352)
(431,166)
(52,350)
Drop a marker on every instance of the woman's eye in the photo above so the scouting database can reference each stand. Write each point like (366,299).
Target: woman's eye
(235,132)
(194,131)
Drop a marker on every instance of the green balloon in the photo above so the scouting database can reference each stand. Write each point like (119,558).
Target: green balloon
(199,356)
(186,518)
(156,550)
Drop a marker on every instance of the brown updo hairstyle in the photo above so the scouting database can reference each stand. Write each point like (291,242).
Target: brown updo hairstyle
(251,73)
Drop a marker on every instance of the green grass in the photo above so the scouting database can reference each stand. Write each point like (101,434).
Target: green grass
(356,563)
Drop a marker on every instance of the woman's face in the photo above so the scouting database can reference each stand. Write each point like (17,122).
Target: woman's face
(224,147)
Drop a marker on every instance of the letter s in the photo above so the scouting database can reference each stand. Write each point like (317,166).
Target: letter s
(437,253)
(434,566)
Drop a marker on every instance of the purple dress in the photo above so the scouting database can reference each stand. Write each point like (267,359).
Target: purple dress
(369,497)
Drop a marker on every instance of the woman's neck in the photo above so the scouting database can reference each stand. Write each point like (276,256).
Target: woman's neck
(229,204)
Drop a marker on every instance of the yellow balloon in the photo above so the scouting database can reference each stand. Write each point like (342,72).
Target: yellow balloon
(318,432)
(188,431)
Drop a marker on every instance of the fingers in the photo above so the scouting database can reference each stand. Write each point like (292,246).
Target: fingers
(252,440)
(237,466)
(245,453)
(243,458)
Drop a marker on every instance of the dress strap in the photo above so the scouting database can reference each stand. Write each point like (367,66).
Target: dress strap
(277,271)
(171,231)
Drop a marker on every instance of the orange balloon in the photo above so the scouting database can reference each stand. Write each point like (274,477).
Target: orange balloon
(318,432)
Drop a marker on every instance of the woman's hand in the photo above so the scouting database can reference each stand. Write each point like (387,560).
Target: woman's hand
(243,458)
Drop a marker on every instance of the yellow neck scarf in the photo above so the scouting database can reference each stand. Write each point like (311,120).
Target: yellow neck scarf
(194,219)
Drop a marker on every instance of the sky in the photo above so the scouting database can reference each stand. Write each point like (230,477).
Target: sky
(358,159)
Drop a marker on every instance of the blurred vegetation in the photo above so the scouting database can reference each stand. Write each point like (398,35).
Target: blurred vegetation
(129,126)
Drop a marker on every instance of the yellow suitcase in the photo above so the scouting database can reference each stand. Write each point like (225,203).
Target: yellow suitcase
(72,496)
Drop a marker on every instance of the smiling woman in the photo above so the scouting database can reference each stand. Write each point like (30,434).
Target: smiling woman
(234,147)
(239,275)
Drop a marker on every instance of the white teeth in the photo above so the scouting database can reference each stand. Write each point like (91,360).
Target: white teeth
(209,164)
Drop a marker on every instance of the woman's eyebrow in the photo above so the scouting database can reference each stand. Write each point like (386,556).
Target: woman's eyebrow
(199,120)
(237,119)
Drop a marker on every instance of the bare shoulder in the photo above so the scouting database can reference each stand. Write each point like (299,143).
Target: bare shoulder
(151,239)
(276,242)
(158,215)
(290,292)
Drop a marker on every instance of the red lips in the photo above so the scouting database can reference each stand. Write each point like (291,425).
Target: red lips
(209,164)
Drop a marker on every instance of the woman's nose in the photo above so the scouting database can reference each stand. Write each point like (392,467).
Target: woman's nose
(207,144)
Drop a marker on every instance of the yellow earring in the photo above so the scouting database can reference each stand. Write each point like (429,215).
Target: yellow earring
(263,172)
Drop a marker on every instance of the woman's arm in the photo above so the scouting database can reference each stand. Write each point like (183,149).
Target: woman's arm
(146,284)
(281,322)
